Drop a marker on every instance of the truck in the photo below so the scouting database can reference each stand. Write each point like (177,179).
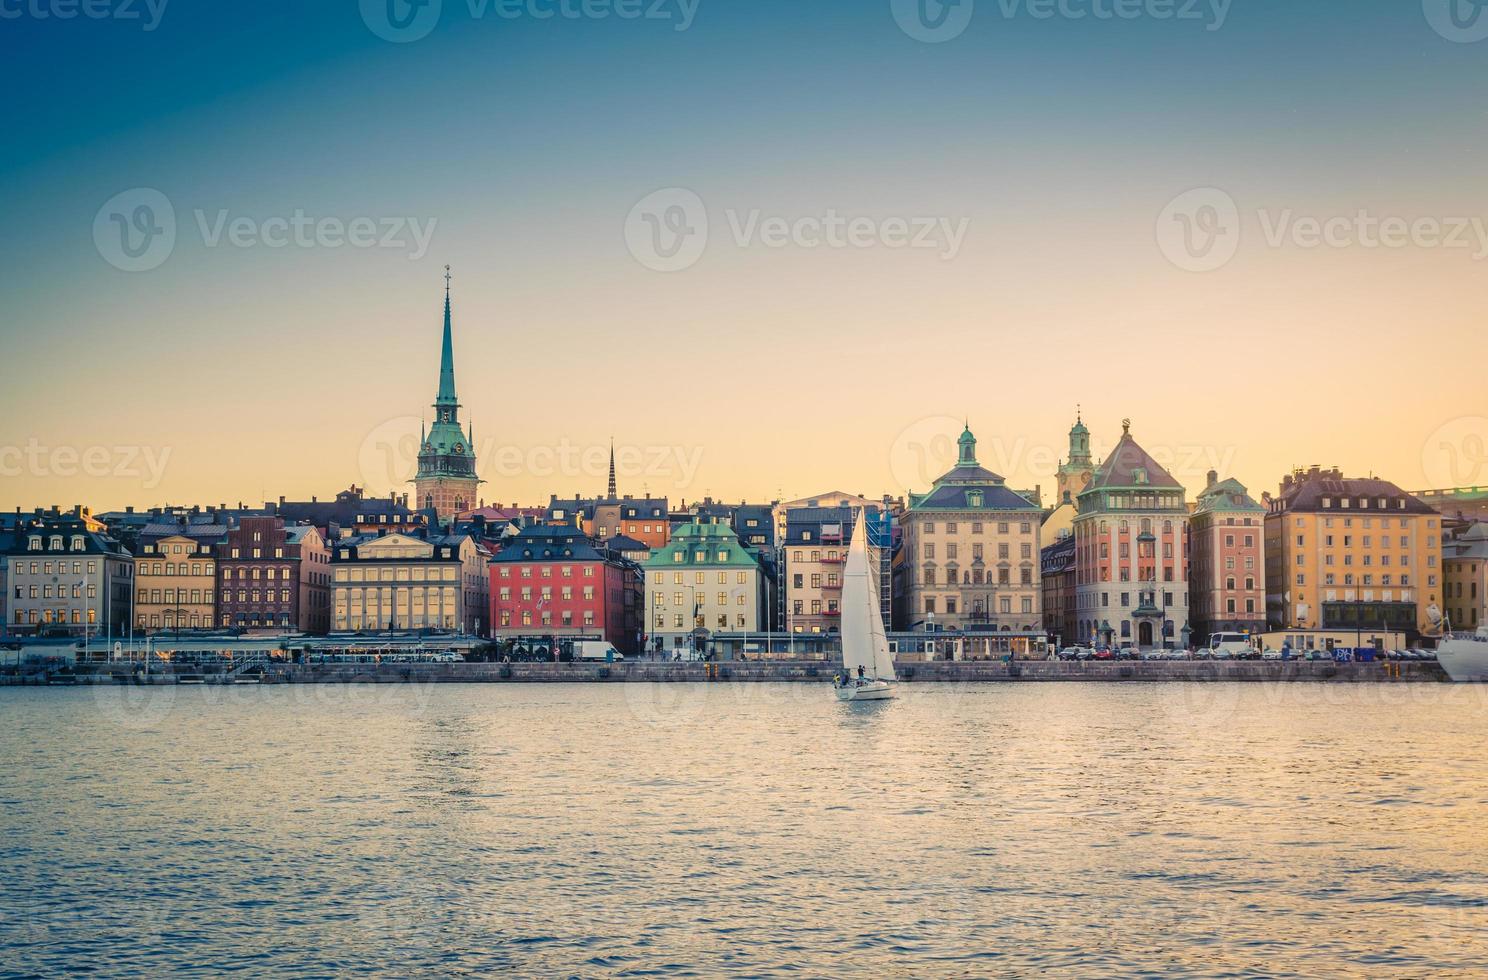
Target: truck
(591,650)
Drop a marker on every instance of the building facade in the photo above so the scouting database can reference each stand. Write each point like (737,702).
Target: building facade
(1131,566)
(1057,573)
(704,581)
(1227,559)
(397,582)
(815,547)
(66,575)
(446,482)
(273,577)
(553,581)
(971,549)
(1351,554)
(175,575)
(1465,576)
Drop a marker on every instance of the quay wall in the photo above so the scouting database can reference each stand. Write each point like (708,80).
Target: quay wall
(796,671)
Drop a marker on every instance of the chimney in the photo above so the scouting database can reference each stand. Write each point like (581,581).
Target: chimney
(1213,477)
(281,500)
(129,509)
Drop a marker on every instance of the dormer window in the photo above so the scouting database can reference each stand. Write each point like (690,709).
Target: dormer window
(35,543)
(56,543)
(974,498)
(1139,476)
(77,542)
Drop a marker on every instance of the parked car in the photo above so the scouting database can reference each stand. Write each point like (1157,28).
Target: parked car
(1269,654)
(1105,653)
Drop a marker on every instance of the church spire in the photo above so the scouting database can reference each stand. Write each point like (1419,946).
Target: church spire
(612,468)
(446,397)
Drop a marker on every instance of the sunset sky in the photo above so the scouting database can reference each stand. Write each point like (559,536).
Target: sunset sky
(521,144)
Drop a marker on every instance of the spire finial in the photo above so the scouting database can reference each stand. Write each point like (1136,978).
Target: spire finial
(446,282)
(1126,427)
(1079,415)
(612,468)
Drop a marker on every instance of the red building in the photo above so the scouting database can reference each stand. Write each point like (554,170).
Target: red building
(274,577)
(552,581)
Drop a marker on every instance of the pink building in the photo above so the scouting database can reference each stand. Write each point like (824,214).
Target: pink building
(1227,552)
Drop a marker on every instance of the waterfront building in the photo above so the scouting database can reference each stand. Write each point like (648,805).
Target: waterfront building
(703,581)
(66,575)
(815,548)
(1131,569)
(446,482)
(1465,576)
(971,553)
(555,581)
(1351,553)
(1227,559)
(273,576)
(1057,575)
(175,573)
(400,581)
(1077,469)
(753,524)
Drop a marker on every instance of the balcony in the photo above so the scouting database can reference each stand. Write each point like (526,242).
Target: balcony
(833,559)
(831,612)
(833,586)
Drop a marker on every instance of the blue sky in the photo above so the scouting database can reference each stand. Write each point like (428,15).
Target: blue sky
(526,140)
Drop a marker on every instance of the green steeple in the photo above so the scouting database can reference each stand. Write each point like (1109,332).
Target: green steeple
(446,396)
(446,450)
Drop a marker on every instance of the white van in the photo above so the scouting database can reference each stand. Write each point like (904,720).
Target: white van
(1230,646)
(596,650)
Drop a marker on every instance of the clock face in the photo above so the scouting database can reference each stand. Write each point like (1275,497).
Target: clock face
(459,449)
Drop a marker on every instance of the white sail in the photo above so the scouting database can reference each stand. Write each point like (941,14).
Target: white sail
(864,643)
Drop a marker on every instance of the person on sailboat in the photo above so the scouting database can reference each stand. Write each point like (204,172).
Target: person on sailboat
(862,674)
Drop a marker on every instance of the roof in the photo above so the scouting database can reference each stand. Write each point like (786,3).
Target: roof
(548,542)
(970,486)
(624,543)
(1227,496)
(799,520)
(1305,492)
(717,541)
(1129,466)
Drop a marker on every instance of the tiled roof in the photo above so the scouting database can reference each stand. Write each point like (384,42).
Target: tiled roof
(547,542)
(1130,466)
(1309,489)
(1227,496)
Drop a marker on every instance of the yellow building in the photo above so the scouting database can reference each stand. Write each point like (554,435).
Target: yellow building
(1351,554)
(175,577)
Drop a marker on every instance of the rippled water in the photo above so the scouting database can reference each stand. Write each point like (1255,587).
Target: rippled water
(1201,830)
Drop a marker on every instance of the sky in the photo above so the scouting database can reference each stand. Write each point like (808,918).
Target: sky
(768,248)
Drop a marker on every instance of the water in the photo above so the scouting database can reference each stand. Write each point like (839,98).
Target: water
(638,829)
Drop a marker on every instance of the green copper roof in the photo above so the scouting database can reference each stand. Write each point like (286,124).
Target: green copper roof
(701,545)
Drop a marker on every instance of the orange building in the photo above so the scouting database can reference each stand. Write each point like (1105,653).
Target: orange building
(1347,554)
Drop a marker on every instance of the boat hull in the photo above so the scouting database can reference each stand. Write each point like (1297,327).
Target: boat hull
(865,691)
(1464,660)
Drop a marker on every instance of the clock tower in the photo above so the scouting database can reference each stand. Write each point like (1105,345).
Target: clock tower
(446,479)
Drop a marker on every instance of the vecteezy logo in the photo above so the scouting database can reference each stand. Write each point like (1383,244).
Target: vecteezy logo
(401,21)
(667,230)
(1460,21)
(1456,454)
(388,457)
(1199,231)
(923,451)
(932,21)
(135,230)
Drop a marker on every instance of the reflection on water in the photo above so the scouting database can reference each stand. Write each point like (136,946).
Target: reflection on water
(746,829)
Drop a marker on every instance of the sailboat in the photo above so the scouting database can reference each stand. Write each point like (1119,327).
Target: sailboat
(868,668)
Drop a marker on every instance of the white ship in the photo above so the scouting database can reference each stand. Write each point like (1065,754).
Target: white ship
(1464,656)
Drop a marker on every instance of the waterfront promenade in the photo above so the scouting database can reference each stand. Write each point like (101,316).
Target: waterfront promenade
(776,671)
